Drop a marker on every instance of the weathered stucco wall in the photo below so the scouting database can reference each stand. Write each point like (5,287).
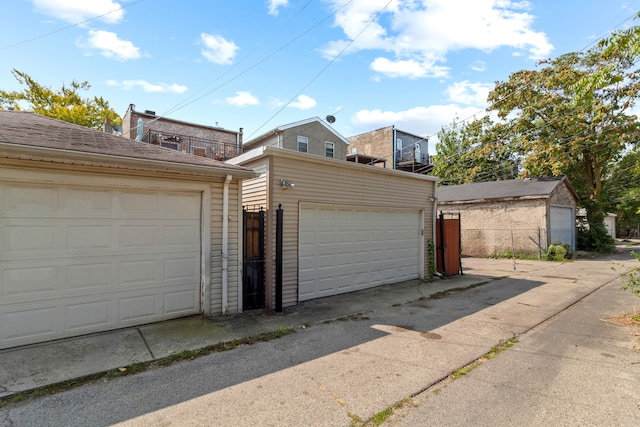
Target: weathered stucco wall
(497,227)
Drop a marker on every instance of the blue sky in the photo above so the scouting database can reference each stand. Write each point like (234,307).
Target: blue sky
(258,64)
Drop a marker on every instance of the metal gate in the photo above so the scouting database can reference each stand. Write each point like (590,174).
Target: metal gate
(253,293)
(448,244)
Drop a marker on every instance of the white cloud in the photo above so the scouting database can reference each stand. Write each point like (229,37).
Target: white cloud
(76,11)
(303,103)
(409,68)
(241,99)
(479,66)
(217,49)
(274,5)
(469,93)
(148,87)
(110,46)
(421,34)
(423,121)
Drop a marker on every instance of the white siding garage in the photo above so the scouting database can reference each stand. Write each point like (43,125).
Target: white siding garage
(343,249)
(80,259)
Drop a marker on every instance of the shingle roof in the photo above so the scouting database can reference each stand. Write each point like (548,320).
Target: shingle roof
(514,188)
(29,129)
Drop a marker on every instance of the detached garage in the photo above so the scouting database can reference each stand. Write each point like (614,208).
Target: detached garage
(98,232)
(519,215)
(346,226)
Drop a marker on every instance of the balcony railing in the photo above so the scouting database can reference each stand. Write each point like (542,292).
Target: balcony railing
(217,150)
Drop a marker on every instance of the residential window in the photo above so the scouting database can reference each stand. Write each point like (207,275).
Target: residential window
(303,144)
(171,145)
(328,149)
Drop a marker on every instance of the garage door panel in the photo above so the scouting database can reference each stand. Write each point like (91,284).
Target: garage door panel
(28,323)
(88,315)
(30,199)
(89,276)
(347,249)
(138,308)
(23,281)
(185,269)
(82,259)
(138,236)
(180,302)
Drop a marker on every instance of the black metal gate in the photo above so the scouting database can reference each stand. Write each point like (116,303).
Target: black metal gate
(253,295)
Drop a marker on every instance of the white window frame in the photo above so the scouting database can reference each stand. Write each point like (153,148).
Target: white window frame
(303,141)
(329,148)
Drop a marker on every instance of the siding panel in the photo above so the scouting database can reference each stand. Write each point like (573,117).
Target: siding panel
(357,185)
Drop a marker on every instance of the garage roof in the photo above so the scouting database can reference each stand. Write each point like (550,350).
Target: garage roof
(28,129)
(508,189)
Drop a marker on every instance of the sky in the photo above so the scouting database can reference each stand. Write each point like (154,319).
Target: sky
(260,64)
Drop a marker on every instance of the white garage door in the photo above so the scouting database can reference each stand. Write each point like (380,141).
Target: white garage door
(76,260)
(563,225)
(347,249)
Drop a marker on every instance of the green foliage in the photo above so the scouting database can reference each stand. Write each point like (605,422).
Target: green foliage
(556,253)
(622,187)
(633,278)
(64,104)
(558,135)
(594,238)
(509,255)
(432,257)
(474,151)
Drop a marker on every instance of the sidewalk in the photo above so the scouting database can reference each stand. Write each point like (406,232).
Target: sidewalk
(31,367)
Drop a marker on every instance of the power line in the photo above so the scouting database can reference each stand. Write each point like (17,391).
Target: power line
(77,24)
(335,58)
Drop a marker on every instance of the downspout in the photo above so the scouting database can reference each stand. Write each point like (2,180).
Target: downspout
(225,244)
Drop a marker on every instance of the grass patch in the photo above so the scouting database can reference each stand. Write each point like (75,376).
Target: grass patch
(495,350)
(382,416)
(144,366)
(510,255)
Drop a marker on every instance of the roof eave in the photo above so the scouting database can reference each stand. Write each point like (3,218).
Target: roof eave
(56,155)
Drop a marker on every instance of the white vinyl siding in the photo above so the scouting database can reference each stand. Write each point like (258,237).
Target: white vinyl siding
(341,183)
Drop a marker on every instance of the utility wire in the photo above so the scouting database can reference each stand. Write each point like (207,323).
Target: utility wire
(68,26)
(334,59)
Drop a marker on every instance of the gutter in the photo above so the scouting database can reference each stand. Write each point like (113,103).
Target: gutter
(65,156)
(225,245)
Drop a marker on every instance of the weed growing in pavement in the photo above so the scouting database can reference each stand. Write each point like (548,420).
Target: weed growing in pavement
(382,416)
(633,277)
(496,350)
(144,366)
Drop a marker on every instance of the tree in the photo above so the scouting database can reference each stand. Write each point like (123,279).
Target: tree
(474,151)
(622,188)
(557,133)
(64,104)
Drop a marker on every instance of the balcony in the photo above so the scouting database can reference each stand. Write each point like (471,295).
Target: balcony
(217,150)
(414,163)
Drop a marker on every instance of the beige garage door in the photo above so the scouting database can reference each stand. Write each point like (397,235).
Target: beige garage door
(76,260)
(347,249)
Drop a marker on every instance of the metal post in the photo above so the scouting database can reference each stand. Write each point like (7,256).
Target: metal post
(279,259)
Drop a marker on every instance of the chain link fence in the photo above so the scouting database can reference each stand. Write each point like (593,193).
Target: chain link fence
(504,242)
